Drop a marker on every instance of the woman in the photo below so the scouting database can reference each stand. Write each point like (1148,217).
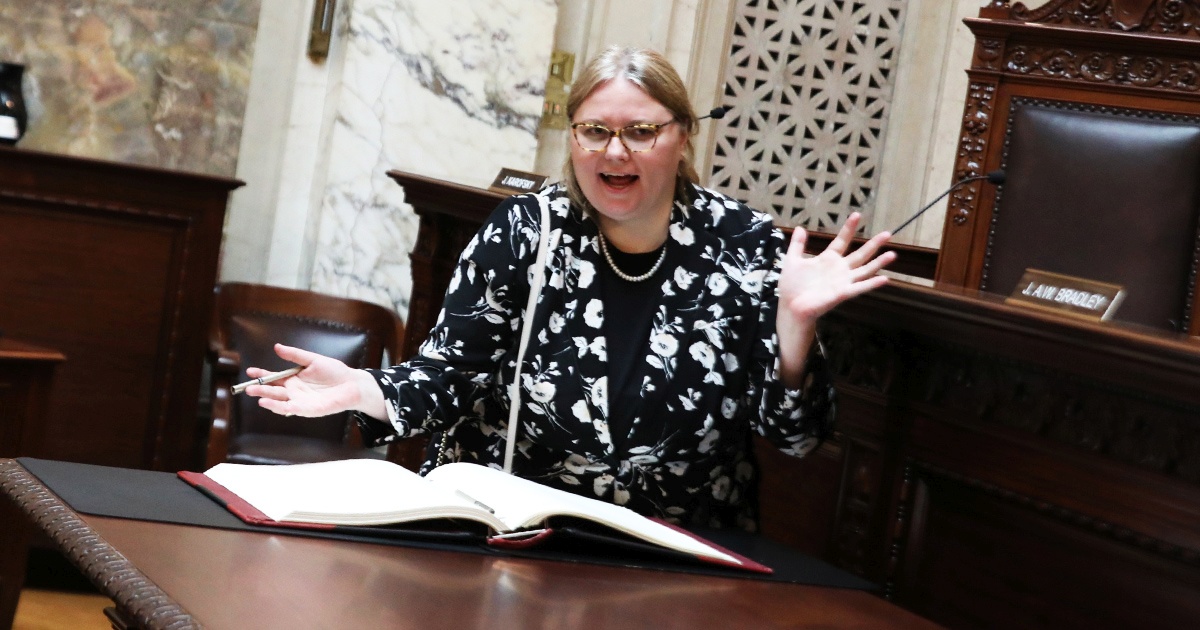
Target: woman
(670,326)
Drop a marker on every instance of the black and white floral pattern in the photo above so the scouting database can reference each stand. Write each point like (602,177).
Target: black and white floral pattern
(708,374)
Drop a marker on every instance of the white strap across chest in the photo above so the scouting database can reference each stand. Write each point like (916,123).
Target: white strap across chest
(535,289)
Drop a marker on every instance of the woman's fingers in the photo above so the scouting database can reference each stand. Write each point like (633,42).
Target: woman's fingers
(276,406)
(842,240)
(273,392)
(874,265)
(296,355)
(799,240)
(863,286)
(869,249)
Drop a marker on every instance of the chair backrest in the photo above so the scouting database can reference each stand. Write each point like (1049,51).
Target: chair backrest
(1095,118)
(251,318)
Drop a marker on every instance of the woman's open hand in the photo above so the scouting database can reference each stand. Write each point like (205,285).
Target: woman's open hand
(810,286)
(325,386)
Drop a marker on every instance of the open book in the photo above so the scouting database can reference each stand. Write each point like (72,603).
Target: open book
(365,492)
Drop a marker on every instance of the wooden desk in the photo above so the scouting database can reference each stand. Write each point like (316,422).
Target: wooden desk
(181,577)
(26,371)
(993,467)
(1005,468)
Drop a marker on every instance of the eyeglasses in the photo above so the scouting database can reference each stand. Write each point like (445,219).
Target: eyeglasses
(636,138)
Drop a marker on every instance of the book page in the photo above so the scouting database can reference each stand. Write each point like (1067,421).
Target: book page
(522,503)
(345,492)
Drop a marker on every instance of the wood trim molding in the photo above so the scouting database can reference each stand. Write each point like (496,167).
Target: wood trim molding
(137,598)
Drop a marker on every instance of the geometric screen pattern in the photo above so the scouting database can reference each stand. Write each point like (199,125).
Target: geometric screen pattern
(809,86)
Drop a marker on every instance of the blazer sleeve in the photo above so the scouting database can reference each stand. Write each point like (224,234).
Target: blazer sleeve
(458,362)
(794,420)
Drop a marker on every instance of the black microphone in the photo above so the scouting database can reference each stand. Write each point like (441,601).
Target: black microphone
(716,113)
(995,177)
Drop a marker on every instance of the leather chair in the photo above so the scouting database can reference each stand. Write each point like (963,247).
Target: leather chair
(1093,116)
(1103,193)
(248,321)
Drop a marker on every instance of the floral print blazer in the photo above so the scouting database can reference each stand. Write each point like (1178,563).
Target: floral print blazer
(708,373)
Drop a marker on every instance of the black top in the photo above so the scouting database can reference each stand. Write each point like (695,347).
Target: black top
(628,313)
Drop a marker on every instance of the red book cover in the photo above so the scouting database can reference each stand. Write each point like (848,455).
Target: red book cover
(238,506)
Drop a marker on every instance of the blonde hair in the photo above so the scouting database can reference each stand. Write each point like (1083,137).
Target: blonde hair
(652,72)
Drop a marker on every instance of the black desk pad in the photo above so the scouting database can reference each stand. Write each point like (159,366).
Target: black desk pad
(164,497)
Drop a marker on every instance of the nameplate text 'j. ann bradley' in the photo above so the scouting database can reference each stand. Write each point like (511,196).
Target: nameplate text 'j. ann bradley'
(1067,294)
(1063,295)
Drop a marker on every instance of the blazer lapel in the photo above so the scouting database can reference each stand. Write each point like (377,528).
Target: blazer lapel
(585,401)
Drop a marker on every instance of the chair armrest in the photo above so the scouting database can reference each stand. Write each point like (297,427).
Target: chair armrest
(225,361)
(226,365)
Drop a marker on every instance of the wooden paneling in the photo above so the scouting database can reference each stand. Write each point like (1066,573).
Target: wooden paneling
(114,266)
(1037,472)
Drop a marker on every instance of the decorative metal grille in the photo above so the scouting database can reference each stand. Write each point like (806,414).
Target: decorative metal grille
(810,85)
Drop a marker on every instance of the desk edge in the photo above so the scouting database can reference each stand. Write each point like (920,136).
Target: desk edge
(137,597)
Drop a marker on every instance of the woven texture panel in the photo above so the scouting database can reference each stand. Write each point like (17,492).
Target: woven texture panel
(810,84)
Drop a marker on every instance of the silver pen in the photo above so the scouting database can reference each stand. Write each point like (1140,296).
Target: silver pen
(474,500)
(263,380)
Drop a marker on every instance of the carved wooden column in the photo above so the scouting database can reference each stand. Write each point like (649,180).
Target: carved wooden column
(450,216)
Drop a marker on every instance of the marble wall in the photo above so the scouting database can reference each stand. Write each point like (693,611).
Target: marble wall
(450,89)
(151,82)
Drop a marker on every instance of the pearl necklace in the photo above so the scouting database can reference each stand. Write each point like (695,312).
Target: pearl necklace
(626,277)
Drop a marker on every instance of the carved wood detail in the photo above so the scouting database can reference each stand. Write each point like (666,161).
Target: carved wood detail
(899,533)
(915,469)
(1092,416)
(988,52)
(972,147)
(859,357)
(1175,17)
(859,505)
(969,386)
(1099,67)
(139,598)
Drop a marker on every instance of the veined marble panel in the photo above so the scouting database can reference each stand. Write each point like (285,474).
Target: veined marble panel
(153,82)
(451,89)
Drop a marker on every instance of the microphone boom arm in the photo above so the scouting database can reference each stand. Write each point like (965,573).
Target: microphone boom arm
(995,177)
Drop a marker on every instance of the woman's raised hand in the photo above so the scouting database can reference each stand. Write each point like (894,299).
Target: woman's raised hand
(810,286)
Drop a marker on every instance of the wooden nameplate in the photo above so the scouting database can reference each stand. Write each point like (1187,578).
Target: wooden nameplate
(517,182)
(1069,295)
